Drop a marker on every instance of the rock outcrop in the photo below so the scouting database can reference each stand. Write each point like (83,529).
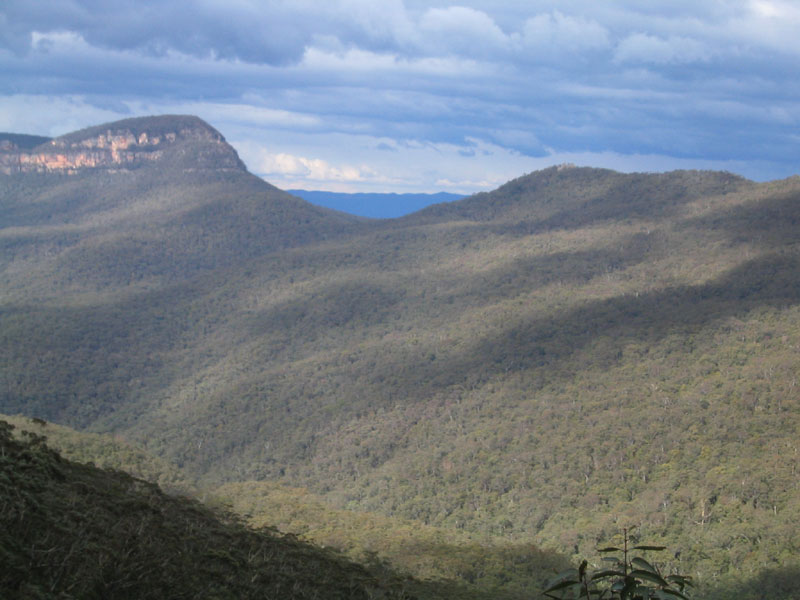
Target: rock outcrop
(123,145)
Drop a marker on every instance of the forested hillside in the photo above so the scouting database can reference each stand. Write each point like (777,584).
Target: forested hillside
(576,351)
(433,563)
(75,531)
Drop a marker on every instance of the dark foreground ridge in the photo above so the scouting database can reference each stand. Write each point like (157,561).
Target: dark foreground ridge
(75,531)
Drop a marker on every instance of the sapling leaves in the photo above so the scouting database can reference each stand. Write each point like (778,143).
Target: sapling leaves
(643,564)
(651,577)
(630,578)
(604,574)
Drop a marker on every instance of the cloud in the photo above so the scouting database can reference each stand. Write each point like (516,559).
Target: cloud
(644,48)
(352,63)
(252,113)
(350,163)
(555,34)
(53,116)
(466,184)
(230,30)
(461,31)
(288,167)
(775,9)
(524,140)
(767,26)
(453,87)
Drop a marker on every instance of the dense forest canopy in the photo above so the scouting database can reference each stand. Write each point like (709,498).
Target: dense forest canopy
(75,531)
(574,352)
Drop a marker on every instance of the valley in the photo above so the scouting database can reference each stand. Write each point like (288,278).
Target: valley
(376,206)
(532,368)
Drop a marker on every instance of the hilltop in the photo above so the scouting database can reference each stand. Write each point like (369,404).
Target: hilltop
(574,351)
(567,196)
(144,201)
(126,144)
(15,142)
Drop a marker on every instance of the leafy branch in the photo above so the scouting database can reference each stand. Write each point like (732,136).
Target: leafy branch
(624,577)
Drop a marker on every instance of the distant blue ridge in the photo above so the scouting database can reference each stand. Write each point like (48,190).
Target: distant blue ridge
(376,206)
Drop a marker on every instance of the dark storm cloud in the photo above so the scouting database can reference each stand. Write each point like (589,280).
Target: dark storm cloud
(710,81)
(233,30)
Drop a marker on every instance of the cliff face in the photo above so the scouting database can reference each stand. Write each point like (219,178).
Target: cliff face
(127,144)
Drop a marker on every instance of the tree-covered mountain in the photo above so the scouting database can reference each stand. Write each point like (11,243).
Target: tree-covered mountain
(576,351)
(15,142)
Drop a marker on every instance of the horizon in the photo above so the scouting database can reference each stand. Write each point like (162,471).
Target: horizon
(375,205)
(415,96)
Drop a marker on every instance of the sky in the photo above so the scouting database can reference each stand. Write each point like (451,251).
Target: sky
(423,95)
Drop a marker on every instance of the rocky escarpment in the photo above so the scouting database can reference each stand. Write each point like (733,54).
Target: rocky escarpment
(182,141)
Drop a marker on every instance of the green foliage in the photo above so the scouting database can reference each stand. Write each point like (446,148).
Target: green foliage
(623,576)
(577,347)
(73,531)
(444,563)
(154,126)
(466,566)
(106,452)
(769,583)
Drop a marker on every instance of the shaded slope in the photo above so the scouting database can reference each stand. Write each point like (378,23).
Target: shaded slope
(73,531)
(578,349)
(100,260)
(515,384)
(191,205)
(464,566)
(105,452)
(482,566)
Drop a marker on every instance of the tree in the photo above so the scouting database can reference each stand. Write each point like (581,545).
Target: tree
(626,577)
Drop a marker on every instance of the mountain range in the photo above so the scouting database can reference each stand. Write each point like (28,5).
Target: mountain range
(575,352)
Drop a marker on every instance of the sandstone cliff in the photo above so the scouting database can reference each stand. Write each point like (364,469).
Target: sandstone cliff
(121,145)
